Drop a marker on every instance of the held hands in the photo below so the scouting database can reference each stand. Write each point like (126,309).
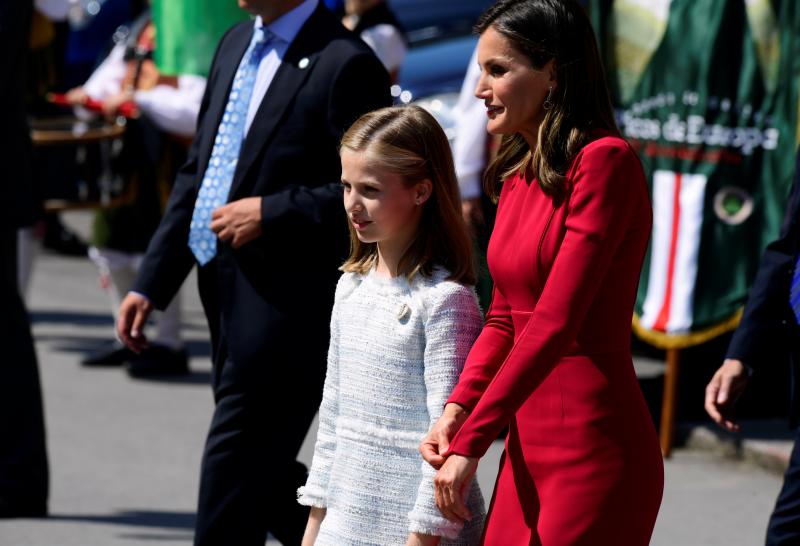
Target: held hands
(133,313)
(451,484)
(436,443)
(238,222)
(723,391)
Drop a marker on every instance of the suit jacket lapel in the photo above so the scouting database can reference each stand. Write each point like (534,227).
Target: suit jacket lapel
(295,67)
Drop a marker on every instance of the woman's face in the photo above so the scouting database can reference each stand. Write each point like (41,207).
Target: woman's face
(380,206)
(512,89)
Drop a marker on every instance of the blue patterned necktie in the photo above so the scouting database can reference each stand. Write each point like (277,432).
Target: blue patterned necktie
(225,153)
(794,295)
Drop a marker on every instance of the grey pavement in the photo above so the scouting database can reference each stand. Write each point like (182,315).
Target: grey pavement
(125,454)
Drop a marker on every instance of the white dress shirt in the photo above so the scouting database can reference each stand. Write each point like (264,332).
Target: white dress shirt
(284,30)
(469,148)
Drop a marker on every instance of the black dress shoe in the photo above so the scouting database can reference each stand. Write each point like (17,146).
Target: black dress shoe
(158,361)
(20,509)
(112,355)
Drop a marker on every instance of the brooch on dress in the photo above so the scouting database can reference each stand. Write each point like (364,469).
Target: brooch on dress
(404,313)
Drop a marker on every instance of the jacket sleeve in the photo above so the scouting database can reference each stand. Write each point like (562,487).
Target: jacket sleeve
(598,215)
(168,259)
(767,313)
(360,86)
(315,491)
(452,325)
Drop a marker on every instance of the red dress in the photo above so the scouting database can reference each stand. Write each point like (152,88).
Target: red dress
(582,464)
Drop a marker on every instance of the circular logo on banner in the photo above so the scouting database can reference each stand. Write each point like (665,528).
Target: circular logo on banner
(733,205)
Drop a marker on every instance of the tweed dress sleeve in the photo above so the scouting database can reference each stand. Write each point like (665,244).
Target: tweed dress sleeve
(315,491)
(453,322)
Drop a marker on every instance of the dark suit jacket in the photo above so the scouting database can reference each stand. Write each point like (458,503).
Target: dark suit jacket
(328,78)
(768,322)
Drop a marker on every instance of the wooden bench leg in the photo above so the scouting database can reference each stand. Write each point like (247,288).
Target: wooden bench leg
(669,400)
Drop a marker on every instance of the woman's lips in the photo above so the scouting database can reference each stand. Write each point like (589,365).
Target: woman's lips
(492,111)
(359,225)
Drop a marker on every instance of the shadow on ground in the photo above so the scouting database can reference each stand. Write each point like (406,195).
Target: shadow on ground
(137,518)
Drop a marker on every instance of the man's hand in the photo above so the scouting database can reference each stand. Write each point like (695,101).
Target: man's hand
(723,391)
(451,485)
(133,313)
(238,222)
(438,438)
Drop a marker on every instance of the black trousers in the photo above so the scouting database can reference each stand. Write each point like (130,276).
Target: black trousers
(23,457)
(266,399)
(784,523)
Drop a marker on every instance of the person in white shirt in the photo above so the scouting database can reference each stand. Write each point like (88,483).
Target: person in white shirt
(167,108)
(375,23)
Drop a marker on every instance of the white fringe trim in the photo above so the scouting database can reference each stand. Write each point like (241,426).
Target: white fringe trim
(427,525)
(312,496)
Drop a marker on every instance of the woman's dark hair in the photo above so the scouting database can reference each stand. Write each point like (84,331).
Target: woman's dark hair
(543,30)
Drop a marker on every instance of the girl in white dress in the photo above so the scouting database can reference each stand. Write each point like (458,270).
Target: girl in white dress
(404,319)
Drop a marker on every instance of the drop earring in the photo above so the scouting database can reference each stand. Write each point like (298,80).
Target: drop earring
(548,104)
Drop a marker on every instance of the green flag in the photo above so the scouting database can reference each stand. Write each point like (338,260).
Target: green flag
(707,92)
(187,32)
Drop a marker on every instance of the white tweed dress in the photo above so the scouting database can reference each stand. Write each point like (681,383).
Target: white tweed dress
(397,349)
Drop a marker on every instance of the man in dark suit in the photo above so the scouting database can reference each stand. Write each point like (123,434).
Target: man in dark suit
(769,327)
(268,271)
(23,457)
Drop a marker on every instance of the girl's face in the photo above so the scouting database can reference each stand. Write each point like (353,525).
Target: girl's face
(380,205)
(512,89)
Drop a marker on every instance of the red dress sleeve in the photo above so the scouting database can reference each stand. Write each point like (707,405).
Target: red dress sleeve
(605,189)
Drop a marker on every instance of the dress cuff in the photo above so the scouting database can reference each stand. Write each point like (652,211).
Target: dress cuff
(312,496)
(435,526)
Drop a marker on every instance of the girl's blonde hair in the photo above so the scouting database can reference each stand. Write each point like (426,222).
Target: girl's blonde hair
(409,142)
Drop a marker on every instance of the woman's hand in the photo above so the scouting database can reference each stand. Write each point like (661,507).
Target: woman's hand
(315,518)
(451,484)
(418,539)
(438,439)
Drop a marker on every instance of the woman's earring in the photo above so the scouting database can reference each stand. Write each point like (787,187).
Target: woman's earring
(548,104)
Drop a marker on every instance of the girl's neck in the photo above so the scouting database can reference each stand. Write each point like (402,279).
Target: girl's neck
(389,257)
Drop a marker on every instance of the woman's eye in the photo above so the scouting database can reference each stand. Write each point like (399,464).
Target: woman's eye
(497,70)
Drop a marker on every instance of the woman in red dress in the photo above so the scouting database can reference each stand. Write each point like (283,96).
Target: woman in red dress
(582,464)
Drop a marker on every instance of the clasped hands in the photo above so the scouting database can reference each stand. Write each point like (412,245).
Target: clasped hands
(455,472)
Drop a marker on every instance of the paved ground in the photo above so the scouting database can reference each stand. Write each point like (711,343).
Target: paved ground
(124,454)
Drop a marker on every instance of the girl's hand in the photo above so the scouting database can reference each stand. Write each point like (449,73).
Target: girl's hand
(312,527)
(418,539)
(451,484)
(438,439)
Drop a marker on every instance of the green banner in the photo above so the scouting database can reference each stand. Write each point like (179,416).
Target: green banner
(187,32)
(707,92)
